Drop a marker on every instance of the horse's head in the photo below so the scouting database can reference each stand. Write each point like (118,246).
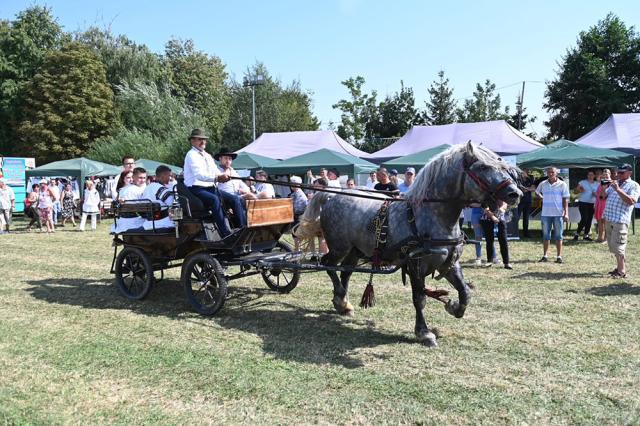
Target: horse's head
(489,178)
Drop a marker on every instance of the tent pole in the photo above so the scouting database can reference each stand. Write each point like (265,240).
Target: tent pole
(633,217)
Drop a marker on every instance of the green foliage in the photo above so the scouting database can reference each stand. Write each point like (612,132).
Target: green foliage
(199,79)
(485,105)
(278,109)
(441,107)
(68,105)
(520,119)
(154,124)
(24,43)
(126,62)
(598,77)
(395,115)
(357,111)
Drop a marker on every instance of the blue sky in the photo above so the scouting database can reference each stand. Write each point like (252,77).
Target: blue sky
(322,43)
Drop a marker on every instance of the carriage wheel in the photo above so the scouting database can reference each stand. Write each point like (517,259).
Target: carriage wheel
(134,274)
(204,283)
(281,280)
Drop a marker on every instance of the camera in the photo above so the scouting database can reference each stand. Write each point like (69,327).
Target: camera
(605,182)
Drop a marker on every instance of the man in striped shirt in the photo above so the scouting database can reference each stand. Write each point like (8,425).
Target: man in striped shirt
(622,195)
(555,211)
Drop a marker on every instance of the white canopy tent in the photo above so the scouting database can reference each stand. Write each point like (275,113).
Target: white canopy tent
(284,145)
(496,135)
(620,132)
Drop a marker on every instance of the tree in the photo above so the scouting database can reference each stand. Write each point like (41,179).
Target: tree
(598,77)
(68,105)
(154,124)
(278,108)
(200,80)
(441,107)
(24,43)
(126,62)
(397,114)
(520,119)
(485,105)
(357,111)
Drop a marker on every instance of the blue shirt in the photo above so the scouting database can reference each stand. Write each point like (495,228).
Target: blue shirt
(616,210)
(299,202)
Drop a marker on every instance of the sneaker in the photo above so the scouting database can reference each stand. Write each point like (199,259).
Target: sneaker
(478,262)
(619,275)
(575,237)
(587,238)
(496,261)
(559,260)
(508,266)
(614,272)
(543,259)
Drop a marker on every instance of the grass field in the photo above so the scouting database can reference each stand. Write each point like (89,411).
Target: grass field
(543,343)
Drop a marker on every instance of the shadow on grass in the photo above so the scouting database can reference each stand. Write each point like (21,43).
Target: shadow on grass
(555,275)
(616,289)
(287,331)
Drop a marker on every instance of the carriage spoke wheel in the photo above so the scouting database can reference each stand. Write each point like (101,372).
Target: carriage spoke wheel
(134,273)
(204,283)
(281,280)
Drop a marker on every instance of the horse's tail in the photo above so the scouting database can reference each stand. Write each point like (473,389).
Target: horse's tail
(309,226)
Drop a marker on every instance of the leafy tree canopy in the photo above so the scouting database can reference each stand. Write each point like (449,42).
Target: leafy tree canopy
(598,77)
(357,111)
(484,106)
(441,107)
(68,104)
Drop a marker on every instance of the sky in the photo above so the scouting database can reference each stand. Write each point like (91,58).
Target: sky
(321,43)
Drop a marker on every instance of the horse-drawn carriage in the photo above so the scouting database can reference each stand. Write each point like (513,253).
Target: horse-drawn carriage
(195,245)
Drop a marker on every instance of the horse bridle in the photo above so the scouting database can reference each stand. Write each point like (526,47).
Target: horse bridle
(483,184)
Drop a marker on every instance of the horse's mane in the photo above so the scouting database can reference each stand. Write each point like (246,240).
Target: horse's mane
(426,184)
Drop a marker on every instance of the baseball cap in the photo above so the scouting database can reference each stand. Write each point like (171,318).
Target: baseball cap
(393,172)
(625,168)
(411,170)
(295,179)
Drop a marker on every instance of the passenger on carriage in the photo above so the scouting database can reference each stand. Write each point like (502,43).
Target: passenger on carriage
(129,193)
(160,192)
(234,186)
(201,175)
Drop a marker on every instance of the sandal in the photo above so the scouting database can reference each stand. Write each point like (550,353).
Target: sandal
(619,275)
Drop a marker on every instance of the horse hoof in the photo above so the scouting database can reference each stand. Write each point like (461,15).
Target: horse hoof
(428,339)
(343,307)
(453,308)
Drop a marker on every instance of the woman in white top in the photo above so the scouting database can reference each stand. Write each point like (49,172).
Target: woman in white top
(90,206)
(587,189)
(45,206)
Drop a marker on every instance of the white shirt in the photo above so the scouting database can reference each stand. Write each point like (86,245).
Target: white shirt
(6,196)
(159,193)
(56,192)
(371,183)
(334,183)
(232,186)
(129,193)
(552,195)
(199,168)
(265,187)
(91,201)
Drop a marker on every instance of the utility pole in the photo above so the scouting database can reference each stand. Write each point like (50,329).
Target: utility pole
(520,107)
(257,80)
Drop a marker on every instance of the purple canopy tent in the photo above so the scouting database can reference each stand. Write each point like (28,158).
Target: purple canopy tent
(282,146)
(620,132)
(495,135)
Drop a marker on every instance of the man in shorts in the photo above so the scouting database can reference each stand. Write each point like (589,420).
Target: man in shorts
(622,195)
(555,211)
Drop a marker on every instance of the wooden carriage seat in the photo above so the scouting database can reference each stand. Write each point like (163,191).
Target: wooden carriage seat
(269,212)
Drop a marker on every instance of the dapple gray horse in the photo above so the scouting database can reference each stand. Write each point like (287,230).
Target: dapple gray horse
(443,187)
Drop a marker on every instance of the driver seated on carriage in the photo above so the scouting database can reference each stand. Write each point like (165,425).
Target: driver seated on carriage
(201,175)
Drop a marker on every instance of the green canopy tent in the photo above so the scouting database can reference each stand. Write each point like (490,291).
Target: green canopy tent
(346,164)
(416,160)
(79,168)
(253,162)
(566,154)
(150,166)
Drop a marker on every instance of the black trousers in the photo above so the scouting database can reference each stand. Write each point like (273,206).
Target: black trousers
(586,217)
(524,211)
(487,230)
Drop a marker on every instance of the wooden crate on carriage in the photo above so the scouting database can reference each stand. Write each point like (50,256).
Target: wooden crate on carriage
(269,212)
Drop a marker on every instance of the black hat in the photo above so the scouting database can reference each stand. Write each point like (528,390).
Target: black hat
(625,168)
(225,151)
(198,133)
